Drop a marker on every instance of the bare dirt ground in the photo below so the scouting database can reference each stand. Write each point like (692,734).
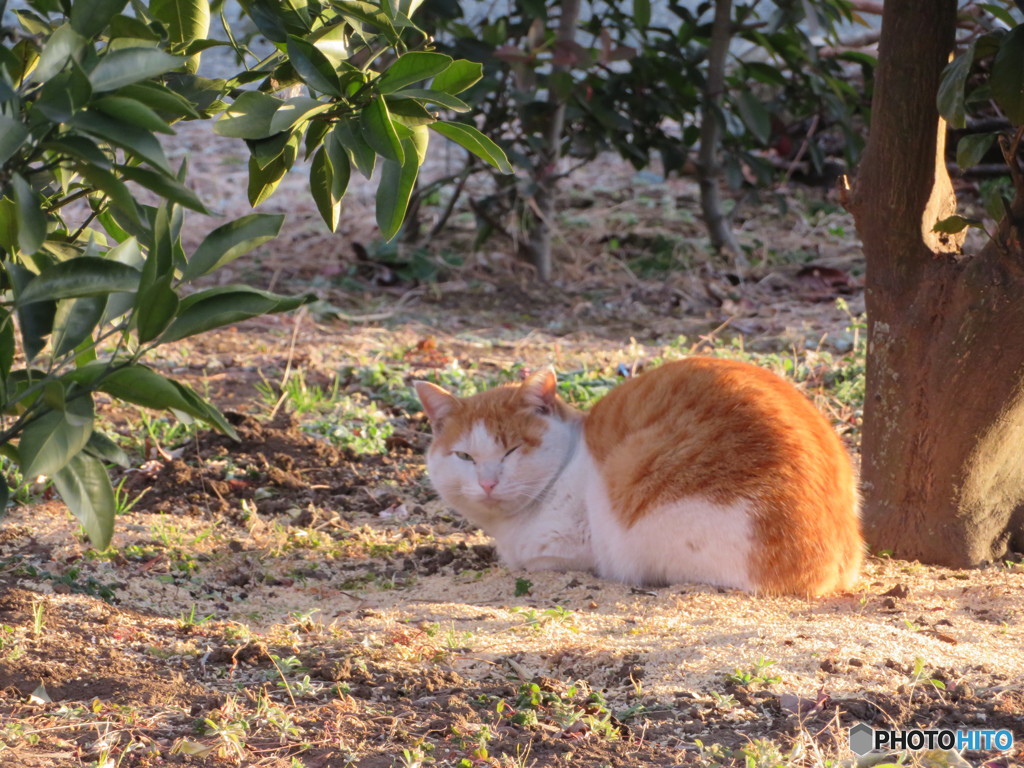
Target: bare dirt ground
(284,602)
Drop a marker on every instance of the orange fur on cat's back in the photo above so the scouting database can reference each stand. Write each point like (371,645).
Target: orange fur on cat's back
(730,431)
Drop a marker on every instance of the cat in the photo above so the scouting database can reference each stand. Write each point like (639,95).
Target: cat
(700,470)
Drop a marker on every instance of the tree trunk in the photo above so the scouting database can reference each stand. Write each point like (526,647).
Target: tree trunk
(538,248)
(709,170)
(943,448)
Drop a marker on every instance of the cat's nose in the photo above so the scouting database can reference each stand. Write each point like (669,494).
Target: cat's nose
(488,485)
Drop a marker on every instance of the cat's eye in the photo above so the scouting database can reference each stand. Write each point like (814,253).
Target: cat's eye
(510,451)
(464,456)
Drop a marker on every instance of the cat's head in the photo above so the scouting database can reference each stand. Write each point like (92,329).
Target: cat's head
(494,454)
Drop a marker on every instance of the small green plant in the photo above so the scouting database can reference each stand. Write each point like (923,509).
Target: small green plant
(38,617)
(188,621)
(922,674)
(124,502)
(535,619)
(758,674)
(413,758)
(523,587)
(724,701)
(764,753)
(534,704)
(231,735)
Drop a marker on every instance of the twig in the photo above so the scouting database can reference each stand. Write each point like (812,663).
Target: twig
(287,687)
(288,365)
(456,194)
(803,149)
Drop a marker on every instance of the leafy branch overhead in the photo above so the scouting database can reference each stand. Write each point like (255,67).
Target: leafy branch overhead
(984,77)
(92,279)
(353,92)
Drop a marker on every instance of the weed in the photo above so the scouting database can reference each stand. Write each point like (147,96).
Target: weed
(355,424)
(160,431)
(764,753)
(230,734)
(576,708)
(23,492)
(757,675)
(523,587)
(535,619)
(187,621)
(304,621)
(724,701)
(922,674)
(38,617)
(413,758)
(124,502)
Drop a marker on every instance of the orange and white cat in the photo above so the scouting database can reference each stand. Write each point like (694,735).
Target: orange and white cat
(701,470)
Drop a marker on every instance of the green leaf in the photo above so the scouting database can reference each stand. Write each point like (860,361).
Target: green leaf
(471,139)
(143,386)
(155,307)
(121,108)
(328,179)
(166,186)
(430,96)
(75,321)
(81,148)
(295,110)
(31,219)
(971,149)
(80,276)
(755,116)
(263,181)
(229,241)
(90,17)
(395,189)
(765,73)
(205,410)
(159,97)
(1001,13)
(49,442)
(369,13)
(379,131)
(266,151)
(136,140)
(5,496)
(105,449)
(185,21)
(459,76)
(113,187)
(249,116)
(313,66)
(950,100)
(360,153)
(63,95)
(65,43)
(412,68)
(12,135)
(1007,81)
(34,320)
(408,112)
(84,485)
(642,13)
(217,307)
(6,344)
(124,66)
(951,225)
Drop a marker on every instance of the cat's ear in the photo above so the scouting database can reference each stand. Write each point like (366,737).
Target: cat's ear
(540,389)
(437,403)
